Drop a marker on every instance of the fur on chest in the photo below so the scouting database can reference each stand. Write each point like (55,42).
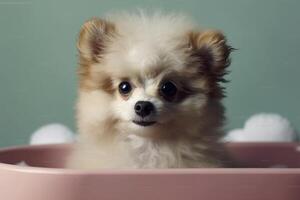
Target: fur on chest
(146,153)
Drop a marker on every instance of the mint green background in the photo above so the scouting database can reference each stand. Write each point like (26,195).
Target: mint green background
(38,57)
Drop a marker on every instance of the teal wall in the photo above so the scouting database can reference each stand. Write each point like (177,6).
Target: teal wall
(38,57)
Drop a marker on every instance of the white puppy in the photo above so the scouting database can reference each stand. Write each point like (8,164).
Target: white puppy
(149,93)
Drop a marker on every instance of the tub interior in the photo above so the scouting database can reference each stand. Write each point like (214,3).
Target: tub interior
(48,156)
(245,155)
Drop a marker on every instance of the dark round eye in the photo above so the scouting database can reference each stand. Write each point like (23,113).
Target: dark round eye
(125,87)
(168,90)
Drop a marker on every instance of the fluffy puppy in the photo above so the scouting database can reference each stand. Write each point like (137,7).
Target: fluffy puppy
(149,93)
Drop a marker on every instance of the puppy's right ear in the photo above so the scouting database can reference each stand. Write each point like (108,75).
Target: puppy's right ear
(93,37)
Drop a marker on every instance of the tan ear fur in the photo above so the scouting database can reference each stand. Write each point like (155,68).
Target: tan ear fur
(93,36)
(211,51)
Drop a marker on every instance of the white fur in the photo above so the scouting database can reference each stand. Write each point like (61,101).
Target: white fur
(263,127)
(148,41)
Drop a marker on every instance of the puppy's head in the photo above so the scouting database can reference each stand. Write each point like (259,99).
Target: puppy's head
(150,76)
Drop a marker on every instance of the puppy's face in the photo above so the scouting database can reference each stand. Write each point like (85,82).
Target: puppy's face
(148,82)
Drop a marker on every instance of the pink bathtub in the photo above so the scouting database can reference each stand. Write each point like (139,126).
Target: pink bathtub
(46,180)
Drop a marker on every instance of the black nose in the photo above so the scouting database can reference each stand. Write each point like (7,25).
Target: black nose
(143,108)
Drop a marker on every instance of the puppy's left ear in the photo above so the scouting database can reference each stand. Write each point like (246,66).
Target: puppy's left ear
(209,49)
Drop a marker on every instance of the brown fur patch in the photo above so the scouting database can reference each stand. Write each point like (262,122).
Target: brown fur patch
(94,35)
(89,81)
(107,85)
(209,54)
(153,72)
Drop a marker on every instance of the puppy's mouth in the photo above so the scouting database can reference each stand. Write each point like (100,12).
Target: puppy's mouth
(143,123)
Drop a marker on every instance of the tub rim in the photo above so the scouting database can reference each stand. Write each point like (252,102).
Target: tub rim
(182,171)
